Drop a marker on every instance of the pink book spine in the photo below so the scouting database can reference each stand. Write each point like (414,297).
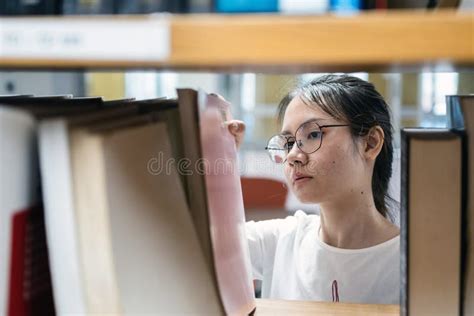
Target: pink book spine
(226,210)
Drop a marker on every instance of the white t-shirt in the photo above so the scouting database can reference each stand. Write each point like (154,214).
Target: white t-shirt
(294,264)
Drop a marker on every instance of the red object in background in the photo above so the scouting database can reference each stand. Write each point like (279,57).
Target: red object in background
(260,193)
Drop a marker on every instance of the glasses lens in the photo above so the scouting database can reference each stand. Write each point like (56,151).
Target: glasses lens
(277,148)
(308,137)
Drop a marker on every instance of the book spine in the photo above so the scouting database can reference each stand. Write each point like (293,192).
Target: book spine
(457,117)
(369,4)
(381,4)
(16,304)
(404,222)
(407,4)
(30,7)
(30,279)
(454,110)
(303,6)
(200,6)
(149,6)
(465,240)
(87,7)
(346,6)
(225,6)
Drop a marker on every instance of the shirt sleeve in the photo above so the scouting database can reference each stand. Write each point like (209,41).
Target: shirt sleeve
(262,238)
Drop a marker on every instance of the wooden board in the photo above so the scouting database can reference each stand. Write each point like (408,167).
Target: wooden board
(390,40)
(279,307)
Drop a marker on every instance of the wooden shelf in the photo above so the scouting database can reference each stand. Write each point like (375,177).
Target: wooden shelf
(279,307)
(373,41)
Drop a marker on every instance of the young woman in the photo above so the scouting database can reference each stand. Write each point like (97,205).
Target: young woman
(335,145)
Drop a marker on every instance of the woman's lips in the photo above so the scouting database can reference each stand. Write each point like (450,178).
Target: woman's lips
(297,179)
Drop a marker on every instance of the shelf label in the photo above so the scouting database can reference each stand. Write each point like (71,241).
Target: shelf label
(81,38)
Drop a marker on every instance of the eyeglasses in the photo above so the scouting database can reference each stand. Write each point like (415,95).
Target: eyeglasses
(308,138)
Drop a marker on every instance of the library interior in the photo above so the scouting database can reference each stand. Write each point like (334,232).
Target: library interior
(166,157)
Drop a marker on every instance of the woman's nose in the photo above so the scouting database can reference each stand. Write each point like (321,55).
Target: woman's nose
(296,156)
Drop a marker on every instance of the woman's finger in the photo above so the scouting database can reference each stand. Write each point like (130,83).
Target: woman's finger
(237,129)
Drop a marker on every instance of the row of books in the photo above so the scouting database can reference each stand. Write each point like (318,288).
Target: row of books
(58,7)
(133,207)
(437,215)
(101,213)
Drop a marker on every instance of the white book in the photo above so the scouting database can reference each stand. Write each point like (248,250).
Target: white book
(303,6)
(18,179)
(60,217)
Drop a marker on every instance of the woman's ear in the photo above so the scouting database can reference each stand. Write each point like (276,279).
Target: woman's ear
(373,143)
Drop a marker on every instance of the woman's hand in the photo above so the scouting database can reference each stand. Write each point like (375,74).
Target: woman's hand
(237,129)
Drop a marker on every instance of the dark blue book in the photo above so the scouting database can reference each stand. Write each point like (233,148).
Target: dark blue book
(30,7)
(150,6)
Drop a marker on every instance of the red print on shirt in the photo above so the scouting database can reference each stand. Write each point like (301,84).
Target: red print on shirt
(335,292)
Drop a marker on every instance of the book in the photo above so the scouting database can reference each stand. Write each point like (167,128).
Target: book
(242,6)
(141,228)
(461,118)
(24,98)
(215,196)
(431,217)
(408,4)
(447,3)
(375,4)
(21,212)
(87,7)
(303,6)
(466,5)
(118,184)
(25,276)
(123,7)
(149,6)
(345,6)
(49,106)
(37,7)
(30,289)
(120,228)
(200,6)
(18,187)
(58,193)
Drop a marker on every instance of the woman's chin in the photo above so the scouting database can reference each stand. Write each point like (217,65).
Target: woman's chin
(306,192)
(306,197)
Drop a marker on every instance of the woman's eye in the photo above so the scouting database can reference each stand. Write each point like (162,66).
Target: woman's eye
(314,135)
(289,145)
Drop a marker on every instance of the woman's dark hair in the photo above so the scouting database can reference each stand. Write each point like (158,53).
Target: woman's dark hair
(355,101)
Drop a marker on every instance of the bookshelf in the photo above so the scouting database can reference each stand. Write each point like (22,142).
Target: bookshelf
(267,307)
(376,41)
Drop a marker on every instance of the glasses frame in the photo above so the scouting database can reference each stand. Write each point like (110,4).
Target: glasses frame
(296,141)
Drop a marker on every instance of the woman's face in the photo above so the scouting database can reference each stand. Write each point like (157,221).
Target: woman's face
(334,171)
